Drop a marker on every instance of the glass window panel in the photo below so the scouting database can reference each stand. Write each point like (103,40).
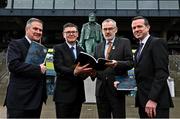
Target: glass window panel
(43,4)
(85,4)
(64,4)
(105,4)
(126,4)
(169,4)
(9,4)
(148,4)
(22,4)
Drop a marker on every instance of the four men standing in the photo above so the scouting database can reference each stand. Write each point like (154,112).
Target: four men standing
(27,91)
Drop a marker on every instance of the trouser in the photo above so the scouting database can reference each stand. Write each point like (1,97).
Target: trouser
(111,105)
(68,110)
(21,113)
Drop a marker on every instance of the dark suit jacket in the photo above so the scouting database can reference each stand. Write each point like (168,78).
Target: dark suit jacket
(151,73)
(27,85)
(121,51)
(68,88)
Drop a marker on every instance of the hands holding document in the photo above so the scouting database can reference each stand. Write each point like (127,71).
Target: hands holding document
(43,68)
(85,69)
(111,63)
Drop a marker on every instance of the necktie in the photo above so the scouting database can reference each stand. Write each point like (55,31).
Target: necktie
(139,51)
(108,49)
(72,48)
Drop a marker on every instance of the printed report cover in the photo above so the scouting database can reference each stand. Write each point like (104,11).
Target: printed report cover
(36,54)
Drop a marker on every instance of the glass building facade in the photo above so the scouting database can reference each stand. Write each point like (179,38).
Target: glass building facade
(94,4)
(164,17)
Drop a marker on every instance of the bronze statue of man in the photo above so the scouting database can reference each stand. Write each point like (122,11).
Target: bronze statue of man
(91,34)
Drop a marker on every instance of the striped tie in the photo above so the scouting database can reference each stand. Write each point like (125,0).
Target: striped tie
(139,51)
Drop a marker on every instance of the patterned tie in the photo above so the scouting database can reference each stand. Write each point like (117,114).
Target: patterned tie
(139,51)
(72,48)
(108,49)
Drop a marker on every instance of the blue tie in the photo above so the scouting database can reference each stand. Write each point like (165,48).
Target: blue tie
(72,48)
(139,51)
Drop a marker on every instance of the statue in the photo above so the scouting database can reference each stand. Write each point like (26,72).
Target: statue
(91,34)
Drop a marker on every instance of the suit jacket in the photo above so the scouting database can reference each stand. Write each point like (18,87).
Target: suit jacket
(27,85)
(68,88)
(121,51)
(151,73)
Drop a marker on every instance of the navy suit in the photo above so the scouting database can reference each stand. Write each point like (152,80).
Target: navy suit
(69,89)
(151,73)
(109,100)
(27,85)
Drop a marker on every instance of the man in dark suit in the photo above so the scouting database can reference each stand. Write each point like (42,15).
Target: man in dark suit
(27,85)
(151,72)
(109,100)
(69,89)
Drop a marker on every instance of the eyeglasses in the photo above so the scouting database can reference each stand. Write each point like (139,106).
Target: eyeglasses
(109,29)
(70,32)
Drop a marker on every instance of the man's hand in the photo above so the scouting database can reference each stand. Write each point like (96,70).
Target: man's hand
(82,69)
(116,83)
(112,64)
(43,68)
(150,108)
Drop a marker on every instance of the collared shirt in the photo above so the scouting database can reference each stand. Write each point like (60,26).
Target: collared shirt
(106,46)
(144,42)
(28,39)
(74,50)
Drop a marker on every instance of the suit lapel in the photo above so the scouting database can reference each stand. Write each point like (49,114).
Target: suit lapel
(135,55)
(113,48)
(144,49)
(27,44)
(66,47)
(101,49)
(78,49)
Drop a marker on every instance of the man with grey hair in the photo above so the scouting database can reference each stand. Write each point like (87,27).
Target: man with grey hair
(90,34)
(26,90)
(111,102)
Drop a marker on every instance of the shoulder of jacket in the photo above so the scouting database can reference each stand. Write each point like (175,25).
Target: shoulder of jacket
(157,39)
(122,39)
(85,24)
(59,45)
(17,41)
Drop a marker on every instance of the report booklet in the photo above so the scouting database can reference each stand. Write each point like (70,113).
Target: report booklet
(36,54)
(85,58)
(126,83)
